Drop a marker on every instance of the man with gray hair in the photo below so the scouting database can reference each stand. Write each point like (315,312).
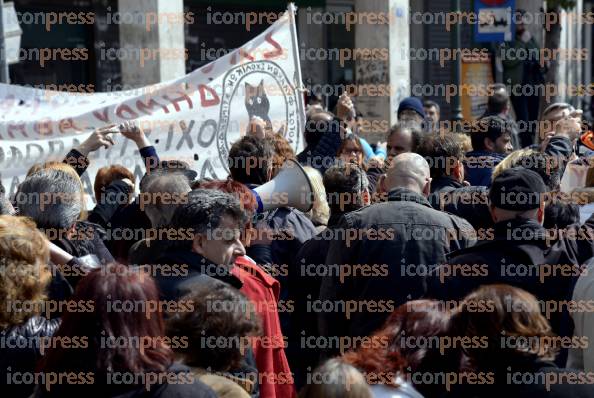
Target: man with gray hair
(206,244)
(387,250)
(54,200)
(160,196)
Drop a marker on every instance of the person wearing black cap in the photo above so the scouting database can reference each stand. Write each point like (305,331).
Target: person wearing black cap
(519,252)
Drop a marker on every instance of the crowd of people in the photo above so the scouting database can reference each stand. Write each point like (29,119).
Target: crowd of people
(433,264)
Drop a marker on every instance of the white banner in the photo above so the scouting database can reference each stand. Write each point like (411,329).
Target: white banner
(195,118)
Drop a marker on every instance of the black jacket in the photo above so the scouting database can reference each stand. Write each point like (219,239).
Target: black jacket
(310,266)
(471,203)
(199,271)
(20,349)
(515,256)
(389,247)
(525,379)
(191,269)
(183,384)
(468,202)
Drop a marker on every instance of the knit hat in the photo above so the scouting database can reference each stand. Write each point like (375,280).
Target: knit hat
(412,103)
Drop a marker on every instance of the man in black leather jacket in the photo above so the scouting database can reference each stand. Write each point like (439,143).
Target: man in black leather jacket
(386,250)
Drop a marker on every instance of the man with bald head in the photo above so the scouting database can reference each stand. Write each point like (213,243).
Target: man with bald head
(386,250)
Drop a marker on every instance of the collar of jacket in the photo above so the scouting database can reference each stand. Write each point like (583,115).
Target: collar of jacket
(445,182)
(524,228)
(478,154)
(334,218)
(406,195)
(198,264)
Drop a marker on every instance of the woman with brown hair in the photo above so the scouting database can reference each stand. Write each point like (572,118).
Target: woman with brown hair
(507,346)
(24,279)
(220,328)
(113,342)
(351,150)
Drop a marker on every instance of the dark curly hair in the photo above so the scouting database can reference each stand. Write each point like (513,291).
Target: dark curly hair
(251,160)
(219,328)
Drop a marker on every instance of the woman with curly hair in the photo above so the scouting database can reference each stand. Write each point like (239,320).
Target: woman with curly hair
(507,348)
(24,278)
(219,331)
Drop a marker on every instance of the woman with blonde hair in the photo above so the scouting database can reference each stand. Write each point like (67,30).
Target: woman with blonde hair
(320,212)
(336,379)
(24,280)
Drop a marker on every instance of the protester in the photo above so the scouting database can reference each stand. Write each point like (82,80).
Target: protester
(347,189)
(161,195)
(218,330)
(403,238)
(58,216)
(351,150)
(209,225)
(491,143)
(263,291)
(250,164)
(403,350)
(336,379)
(110,342)
(523,73)
(324,133)
(401,139)
(411,109)
(282,152)
(24,281)
(432,112)
(444,155)
(320,212)
(517,206)
(498,104)
(511,350)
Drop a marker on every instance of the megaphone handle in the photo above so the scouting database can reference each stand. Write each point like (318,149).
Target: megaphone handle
(259,201)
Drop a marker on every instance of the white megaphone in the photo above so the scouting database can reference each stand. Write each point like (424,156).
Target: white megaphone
(290,188)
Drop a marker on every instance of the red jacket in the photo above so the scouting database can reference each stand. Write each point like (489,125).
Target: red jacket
(269,350)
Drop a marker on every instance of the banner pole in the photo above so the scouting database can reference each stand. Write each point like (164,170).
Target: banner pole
(299,83)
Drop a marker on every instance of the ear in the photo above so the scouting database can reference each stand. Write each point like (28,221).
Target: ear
(366,197)
(458,171)
(427,188)
(541,213)
(260,89)
(198,244)
(488,144)
(383,186)
(71,231)
(269,174)
(493,213)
